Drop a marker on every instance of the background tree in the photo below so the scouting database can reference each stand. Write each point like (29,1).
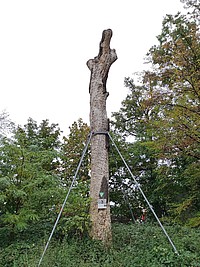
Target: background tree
(194,9)
(72,149)
(163,115)
(36,172)
(6,125)
(176,84)
(135,120)
(29,181)
(75,219)
(123,193)
(176,87)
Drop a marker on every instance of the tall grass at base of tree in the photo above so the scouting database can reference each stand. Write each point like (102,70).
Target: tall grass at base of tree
(133,245)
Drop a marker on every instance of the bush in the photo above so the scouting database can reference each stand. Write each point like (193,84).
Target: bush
(133,245)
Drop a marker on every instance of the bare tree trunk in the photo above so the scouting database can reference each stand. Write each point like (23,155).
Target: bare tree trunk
(100,207)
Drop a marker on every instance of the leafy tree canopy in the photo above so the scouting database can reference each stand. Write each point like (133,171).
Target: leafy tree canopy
(163,115)
(33,182)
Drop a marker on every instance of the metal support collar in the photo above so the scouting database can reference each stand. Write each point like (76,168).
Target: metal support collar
(100,132)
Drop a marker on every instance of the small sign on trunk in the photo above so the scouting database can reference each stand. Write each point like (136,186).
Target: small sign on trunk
(102,203)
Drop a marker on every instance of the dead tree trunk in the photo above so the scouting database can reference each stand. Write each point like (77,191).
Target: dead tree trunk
(100,207)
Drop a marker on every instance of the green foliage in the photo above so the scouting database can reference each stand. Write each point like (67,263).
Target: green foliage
(175,85)
(194,9)
(133,245)
(162,115)
(28,179)
(141,159)
(72,149)
(6,125)
(75,219)
(33,182)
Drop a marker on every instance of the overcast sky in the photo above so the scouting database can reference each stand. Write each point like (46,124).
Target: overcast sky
(44,46)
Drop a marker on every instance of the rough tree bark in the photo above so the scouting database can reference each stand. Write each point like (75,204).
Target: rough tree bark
(100,207)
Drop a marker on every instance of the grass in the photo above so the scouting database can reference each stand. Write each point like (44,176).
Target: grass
(134,245)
